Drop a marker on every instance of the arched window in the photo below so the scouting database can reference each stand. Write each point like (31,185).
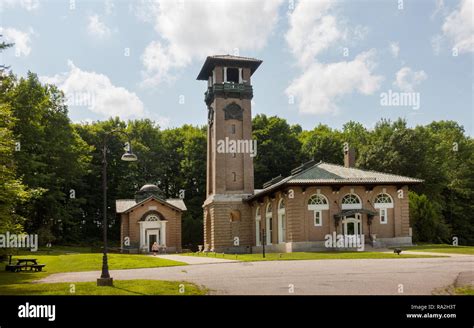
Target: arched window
(281,221)
(350,202)
(317,203)
(258,226)
(269,224)
(383,202)
(152,217)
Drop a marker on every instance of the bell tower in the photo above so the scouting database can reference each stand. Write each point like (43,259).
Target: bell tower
(230,149)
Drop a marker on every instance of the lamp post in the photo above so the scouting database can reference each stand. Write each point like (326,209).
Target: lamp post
(129,156)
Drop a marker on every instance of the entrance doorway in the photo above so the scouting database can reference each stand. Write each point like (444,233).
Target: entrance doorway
(352,226)
(152,237)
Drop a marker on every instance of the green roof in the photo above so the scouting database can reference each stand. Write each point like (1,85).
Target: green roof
(331,174)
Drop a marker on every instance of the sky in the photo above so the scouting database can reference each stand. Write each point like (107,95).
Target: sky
(323,61)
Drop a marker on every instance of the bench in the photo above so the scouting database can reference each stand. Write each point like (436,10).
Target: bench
(24,264)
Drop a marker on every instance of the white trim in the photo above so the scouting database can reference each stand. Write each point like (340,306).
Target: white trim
(281,222)
(258,227)
(383,205)
(154,225)
(269,223)
(357,220)
(225,74)
(351,206)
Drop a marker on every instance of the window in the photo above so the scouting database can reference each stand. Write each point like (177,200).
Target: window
(151,217)
(232,75)
(350,202)
(317,203)
(318,199)
(258,227)
(232,129)
(234,176)
(383,215)
(318,218)
(383,202)
(281,222)
(383,199)
(269,224)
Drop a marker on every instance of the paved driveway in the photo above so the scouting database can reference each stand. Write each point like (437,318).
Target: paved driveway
(312,277)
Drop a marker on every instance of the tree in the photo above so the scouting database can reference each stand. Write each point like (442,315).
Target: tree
(322,144)
(278,148)
(426,221)
(50,156)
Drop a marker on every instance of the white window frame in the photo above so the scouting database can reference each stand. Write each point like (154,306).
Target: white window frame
(281,222)
(258,226)
(269,223)
(383,207)
(351,206)
(318,208)
(317,213)
(383,213)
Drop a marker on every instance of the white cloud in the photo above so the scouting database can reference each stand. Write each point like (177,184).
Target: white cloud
(25,4)
(21,39)
(406,79)
(458,27)
(109,7)
(99,94)
(97,28)
(193,30)
(394,49)
(440,9)
(312,30)
(321,85)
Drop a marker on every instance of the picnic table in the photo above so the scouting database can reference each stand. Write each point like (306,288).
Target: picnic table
(24,264)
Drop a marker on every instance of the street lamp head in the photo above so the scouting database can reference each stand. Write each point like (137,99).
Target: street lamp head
(129,157)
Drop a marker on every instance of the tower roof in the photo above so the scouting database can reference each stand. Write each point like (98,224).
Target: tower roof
(213,61)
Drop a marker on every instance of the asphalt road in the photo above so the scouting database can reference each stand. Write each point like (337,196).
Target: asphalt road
(416,276)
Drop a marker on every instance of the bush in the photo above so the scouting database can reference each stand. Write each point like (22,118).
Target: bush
(426,221)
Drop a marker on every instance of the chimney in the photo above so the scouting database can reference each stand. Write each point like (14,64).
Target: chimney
(349,157)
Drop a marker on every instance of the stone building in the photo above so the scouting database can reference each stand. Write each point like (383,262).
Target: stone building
(150,218)
(295,213)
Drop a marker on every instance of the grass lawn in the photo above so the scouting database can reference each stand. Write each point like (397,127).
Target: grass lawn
(309,256)
(441,248)
(121,287)
(464,290)
(12,283)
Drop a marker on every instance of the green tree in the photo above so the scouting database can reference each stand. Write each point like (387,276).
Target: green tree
(426,220)
(50,156)
(323,144)
(278,148)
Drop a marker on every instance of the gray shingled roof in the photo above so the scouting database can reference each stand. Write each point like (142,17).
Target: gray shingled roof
(325,174)
(123,205)
(211,62)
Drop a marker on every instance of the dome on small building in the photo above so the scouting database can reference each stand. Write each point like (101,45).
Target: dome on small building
(150,187)
(147,191)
